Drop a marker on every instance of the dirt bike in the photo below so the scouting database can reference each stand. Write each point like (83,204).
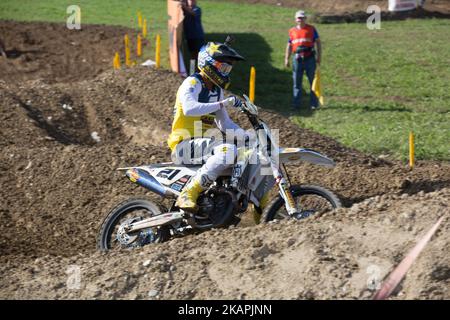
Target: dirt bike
(139,221)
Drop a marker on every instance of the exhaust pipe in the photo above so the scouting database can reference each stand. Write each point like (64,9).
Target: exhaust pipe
(142,178)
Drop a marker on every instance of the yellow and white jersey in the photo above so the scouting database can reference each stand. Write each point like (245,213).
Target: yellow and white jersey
(197,110)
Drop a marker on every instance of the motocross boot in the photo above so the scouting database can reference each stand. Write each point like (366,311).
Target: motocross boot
(187,200)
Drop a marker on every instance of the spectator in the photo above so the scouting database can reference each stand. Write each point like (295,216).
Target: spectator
(302,39)
(193,30)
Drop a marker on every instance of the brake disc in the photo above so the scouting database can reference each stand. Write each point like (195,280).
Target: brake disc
(304,214)
(137,239)
(123,236)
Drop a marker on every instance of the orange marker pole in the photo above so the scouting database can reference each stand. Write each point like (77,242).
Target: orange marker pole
(144,28)
(139,45)
(127,51)
(158,51)
(116,61)
(411,150)
(139,19)
(252,84)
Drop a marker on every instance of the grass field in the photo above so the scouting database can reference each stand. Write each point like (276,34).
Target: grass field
(378,84)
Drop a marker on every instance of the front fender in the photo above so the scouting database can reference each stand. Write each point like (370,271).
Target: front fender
(289,155)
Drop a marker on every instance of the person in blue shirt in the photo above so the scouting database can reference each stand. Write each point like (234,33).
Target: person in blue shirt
(193,29)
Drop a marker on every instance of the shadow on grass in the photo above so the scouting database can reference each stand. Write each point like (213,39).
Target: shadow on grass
(368,108)
(273,86)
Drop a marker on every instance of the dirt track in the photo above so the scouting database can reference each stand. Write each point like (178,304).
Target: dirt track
(342,255)
(57,183)
(52,52)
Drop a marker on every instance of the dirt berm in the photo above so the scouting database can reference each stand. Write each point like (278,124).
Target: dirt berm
(61,142)
(347,7)
(340,255)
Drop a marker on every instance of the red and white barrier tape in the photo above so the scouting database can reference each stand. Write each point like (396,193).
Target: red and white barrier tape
(397,275)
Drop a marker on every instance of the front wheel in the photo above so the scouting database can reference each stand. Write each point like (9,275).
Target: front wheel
(309,198)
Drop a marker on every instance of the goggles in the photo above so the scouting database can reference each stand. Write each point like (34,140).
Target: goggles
(223,67)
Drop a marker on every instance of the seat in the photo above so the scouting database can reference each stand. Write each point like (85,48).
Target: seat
(171,164)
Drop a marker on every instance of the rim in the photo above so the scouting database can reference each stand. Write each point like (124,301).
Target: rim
(308,203)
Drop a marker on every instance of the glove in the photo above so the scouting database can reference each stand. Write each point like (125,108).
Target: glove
(232,101)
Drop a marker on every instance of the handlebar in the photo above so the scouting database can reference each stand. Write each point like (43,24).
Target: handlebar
(251,111)
(248,107)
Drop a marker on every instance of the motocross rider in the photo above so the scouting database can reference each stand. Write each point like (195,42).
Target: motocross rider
(200,104)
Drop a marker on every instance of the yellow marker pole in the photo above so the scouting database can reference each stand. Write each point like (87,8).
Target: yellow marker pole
(252,84)
(139,45)
(411,150)
(116,61)
(127,51)
(139,19)
(144,28)
(158,51)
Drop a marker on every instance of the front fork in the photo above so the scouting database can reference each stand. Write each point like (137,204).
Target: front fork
(285,192)
(280,179)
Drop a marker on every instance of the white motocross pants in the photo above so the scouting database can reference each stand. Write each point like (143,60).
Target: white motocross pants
(216,157)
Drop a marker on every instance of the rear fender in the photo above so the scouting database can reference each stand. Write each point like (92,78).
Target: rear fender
(163,180)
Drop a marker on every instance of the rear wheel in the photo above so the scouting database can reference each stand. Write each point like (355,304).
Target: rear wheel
(112,233)
(309,198)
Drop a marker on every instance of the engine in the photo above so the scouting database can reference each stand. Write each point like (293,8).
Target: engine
(216,208)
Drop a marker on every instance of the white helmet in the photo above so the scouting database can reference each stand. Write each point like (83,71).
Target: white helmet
(300,14)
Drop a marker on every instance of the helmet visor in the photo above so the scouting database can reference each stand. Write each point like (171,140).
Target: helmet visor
(223,67)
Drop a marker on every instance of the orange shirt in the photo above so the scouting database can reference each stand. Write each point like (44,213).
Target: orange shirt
(305,37)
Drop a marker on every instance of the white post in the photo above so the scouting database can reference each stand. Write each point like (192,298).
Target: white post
(192,67)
